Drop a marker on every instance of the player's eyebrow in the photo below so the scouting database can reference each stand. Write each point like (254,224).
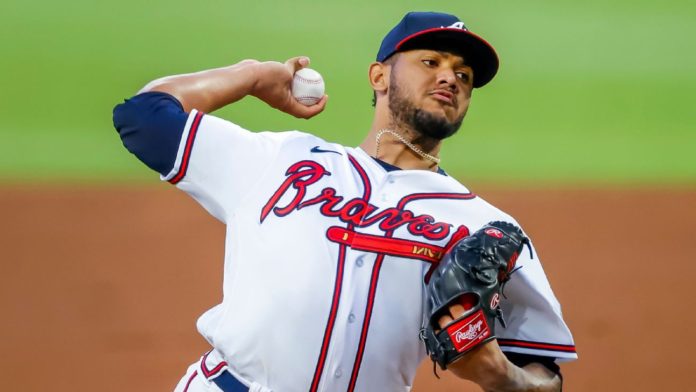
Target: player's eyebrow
(449,53)
(461,60)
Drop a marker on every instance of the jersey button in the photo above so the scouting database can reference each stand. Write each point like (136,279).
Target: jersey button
(338,373)
(351,318)
(359,261)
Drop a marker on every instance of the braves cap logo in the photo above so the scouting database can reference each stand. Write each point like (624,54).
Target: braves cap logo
(456,25)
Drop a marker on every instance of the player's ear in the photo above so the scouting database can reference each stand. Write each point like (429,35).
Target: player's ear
(379,77)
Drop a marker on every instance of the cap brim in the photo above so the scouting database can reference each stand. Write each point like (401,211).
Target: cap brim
(477,53)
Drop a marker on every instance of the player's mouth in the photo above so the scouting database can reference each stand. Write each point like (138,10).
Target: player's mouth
(444,96)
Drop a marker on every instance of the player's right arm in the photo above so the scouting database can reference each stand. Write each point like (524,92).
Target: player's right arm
(210,90)
(216,161)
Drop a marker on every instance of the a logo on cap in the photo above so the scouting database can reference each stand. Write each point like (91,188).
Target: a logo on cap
(456,25)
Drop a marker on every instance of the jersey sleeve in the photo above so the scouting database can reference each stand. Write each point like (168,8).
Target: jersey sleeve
(535,324)
(150,127)
(213,160)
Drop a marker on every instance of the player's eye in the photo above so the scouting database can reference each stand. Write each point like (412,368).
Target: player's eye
(463,76)
(429,62)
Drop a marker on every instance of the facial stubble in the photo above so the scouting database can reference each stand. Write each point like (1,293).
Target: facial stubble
(428,126)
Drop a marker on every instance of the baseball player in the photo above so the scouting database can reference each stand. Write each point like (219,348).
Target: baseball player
(327,246)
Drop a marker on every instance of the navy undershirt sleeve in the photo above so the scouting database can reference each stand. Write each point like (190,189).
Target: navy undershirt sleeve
(150,125)
(522,360)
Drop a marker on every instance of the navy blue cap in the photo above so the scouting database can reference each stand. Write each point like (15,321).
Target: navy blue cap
(434,30)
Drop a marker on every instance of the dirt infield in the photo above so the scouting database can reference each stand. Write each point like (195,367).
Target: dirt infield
(100,288)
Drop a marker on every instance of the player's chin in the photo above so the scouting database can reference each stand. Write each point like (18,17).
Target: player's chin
(445,109)
(436,125)
(446,113)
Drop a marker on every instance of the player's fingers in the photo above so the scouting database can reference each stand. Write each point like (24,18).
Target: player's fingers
(321,105)
(295,64)
(444,320)
(302,111)
(457,310)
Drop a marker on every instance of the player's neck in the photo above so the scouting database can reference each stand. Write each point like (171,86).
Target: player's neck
(396,146)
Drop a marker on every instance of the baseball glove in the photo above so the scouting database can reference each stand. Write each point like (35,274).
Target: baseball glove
(472,273)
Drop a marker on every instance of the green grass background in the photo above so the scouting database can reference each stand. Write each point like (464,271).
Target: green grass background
(592,92)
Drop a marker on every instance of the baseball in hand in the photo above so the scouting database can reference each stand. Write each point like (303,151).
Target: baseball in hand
(307,86)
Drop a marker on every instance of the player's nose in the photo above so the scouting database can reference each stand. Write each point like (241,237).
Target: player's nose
(446,78)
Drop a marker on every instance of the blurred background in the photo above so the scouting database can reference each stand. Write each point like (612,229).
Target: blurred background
(586,135)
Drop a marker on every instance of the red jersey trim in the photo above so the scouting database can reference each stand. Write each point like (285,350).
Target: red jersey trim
(188,383)
(337,286)
(207,373)
(566,348)
(183,167)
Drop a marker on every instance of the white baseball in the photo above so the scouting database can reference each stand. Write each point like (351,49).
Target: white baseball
(307,86)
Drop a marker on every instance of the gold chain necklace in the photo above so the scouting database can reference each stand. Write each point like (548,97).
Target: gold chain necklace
(408,144)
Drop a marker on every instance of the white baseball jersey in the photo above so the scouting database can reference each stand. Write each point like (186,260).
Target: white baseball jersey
(326,251)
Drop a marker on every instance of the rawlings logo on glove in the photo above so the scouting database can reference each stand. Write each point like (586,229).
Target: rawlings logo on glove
(475,268)
(468,332)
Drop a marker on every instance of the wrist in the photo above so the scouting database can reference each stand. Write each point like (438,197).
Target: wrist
(259,74)
(504,375)
(249,71)
(533,377)
(485,365)
(488,367)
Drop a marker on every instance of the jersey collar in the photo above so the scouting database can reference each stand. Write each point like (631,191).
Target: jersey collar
(389,167)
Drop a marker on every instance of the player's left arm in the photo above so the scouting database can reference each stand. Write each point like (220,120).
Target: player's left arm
(493,371)
(466,327)
(488,367)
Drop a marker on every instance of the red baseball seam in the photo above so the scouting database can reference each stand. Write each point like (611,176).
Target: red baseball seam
(311,81)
